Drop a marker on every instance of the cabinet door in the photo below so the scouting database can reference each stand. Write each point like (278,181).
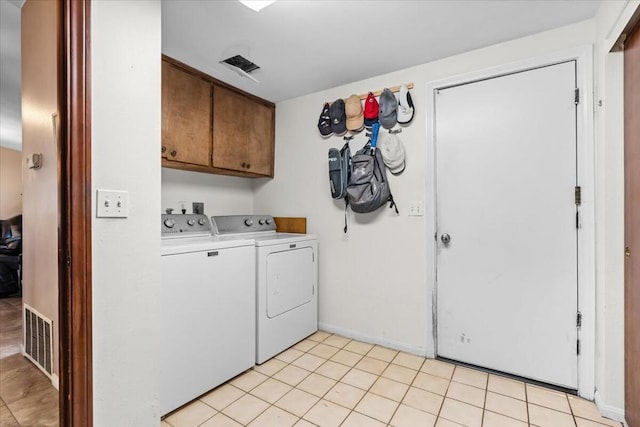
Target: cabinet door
(243,134)
(186,117)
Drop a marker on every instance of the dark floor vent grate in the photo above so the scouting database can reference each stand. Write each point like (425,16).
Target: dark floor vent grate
(38,339)
(241,62)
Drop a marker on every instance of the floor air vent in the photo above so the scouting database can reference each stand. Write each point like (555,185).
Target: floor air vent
(38,339)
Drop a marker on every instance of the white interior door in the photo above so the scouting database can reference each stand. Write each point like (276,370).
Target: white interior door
(506,172)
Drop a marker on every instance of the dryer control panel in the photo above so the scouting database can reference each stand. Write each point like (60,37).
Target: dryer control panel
(232,224)
(187,225)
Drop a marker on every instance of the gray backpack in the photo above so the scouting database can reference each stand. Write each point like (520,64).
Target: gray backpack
(368,187)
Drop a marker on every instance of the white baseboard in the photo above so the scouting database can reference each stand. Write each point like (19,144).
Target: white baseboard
(371,339)
(55,381)
(608,411)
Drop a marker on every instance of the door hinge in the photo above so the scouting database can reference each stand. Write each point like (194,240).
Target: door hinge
(578,319)
(576,96)
(578,195)
(578,224)
(68,261)
(578,347)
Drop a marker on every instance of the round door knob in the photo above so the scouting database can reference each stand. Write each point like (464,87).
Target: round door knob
(248,166)
(201,221)
(248,222)
(164,148)
(174,153)
(169,223)
(445,238)
(191,222)
(244,165)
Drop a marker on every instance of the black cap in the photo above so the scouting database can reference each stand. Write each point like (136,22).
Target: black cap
(324,122)
(338,117)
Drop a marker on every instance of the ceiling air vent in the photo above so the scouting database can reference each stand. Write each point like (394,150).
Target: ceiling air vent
(241,65)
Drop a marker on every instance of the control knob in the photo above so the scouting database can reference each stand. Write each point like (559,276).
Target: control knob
(169,223)
(191,222)
(248,222)
(261,222)
(201,221)
(268,221)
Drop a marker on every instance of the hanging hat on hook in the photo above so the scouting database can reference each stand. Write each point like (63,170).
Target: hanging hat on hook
(392,152)
(371,109)
(405,106)
(388,109)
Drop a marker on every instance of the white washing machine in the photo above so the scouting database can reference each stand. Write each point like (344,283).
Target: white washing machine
(207,297)
(286,281)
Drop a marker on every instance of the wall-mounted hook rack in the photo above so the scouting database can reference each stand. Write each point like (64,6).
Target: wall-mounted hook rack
(379,91)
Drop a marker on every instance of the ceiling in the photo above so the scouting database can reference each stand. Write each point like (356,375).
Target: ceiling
(305,46)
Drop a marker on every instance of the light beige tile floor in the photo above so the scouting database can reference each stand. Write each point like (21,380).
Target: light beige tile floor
(329,380)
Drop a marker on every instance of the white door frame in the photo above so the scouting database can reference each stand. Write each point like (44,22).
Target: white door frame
(586,179)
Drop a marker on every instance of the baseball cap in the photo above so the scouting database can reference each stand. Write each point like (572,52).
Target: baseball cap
(388,109)
(354,113)
(324,122)
(338,117)
(405,106)
(392,152)
(371,109)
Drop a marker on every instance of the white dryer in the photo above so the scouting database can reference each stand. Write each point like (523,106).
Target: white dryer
(286,281)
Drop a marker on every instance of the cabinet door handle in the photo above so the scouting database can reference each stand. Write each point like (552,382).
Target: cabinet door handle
(244,165)
(248,166)
(173,153)
(164,148)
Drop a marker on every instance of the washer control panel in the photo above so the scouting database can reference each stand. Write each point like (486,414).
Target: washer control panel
(231,224)
(175,225)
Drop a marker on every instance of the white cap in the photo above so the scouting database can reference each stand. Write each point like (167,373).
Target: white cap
(405,106)
(392,152)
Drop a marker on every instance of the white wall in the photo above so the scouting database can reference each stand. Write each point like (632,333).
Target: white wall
(40,186)
(611,19)
(385,300)
(222,195)
(125,55)
(10,183)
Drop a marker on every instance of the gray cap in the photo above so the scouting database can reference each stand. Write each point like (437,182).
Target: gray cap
(388,109)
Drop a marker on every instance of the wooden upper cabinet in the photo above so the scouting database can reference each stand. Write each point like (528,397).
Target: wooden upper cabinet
(243,133)
(209,126)
(186,117)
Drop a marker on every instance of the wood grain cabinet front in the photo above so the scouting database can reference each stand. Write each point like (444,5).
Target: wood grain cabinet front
(209,126)
(186,117)
(242,133)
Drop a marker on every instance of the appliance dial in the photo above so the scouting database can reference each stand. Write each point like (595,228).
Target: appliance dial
(191,222)
(201,221)
(261,222)
(169,223)
(248,222)
(268,221)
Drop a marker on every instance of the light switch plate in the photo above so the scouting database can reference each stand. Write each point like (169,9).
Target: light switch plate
(416,208)
(112,204)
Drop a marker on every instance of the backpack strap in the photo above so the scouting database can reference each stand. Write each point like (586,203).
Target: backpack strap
(392,204)
(346,205)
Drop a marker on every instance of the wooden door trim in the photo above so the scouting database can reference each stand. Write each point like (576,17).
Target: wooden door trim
(631,225)
(76,388)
